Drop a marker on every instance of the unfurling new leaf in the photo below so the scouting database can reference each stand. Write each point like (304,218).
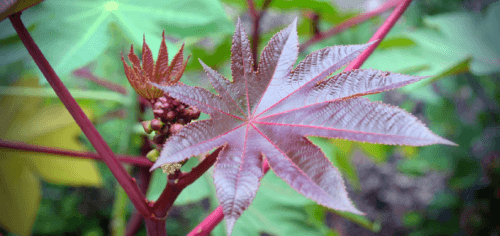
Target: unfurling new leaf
(270,112)
(160,72)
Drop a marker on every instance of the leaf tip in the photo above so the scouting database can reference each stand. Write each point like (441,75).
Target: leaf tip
(294,22)
(446,142)
(230,221)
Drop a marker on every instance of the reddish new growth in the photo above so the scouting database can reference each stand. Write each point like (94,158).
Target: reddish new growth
(270,112)
(159,73)
(170,114)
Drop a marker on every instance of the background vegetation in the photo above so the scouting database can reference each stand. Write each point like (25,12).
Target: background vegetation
(430,190)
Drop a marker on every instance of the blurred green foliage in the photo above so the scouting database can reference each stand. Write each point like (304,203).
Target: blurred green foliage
(453,42)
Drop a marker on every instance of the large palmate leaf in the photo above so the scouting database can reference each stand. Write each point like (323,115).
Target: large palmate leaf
(269,113)
(72,34)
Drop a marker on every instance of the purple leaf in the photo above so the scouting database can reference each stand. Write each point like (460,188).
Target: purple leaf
(237,175)
(271,112)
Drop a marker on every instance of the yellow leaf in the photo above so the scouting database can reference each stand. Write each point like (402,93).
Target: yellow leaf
(19,196)
(376,151)
(25,120)
(343,145)
(14,107)
(64,170)
(408,151)
(39,122)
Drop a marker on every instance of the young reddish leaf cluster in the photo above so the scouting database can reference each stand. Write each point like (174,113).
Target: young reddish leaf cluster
(270,112)
(140,77)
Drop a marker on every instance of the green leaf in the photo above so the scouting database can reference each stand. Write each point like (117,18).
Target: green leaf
(412,219)
(157,184)
(200,189)
(467,172)
(78,94)
(395,42)
(325,8)
(88,22)
(316,215)
(444,200)
(466,35)
(277,209)
(449,45)
(420,59)
(339,152)
(415,167)
(360,220)
(378,152)
(214,58)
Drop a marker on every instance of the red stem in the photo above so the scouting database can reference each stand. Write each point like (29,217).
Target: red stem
(167,197)
(121,175)
(135,222)
(143,176)
(255,15)
(315,24)
(135,160)
(172,190)
(188,178)
(87,74)
(209,223)
(212,220)
(155,227)
(379,35)
(348,24)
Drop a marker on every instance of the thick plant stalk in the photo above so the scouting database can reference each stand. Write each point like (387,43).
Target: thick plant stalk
(123,178)
(209,223)
(155,227)
(348,24)
(143,179)
(171,191)
(256,16)
(134,160)
(379,35)
(134,223)
(174,188)
(188,178)
(85,73)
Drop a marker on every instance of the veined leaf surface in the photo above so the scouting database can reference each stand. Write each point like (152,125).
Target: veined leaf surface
(270,112)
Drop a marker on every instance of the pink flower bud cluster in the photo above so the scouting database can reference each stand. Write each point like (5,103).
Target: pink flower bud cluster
(170,116)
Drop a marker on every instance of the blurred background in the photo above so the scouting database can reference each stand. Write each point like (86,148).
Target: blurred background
(433,190)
